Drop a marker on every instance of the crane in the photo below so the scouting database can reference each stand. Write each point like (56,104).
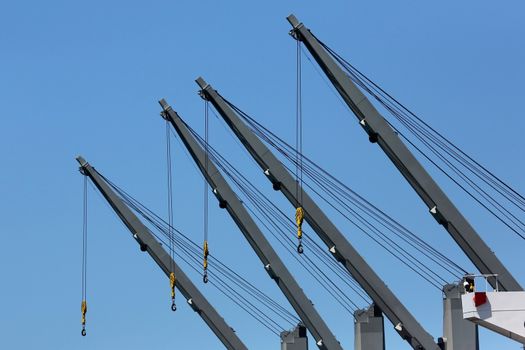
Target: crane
(268,256)
(458,334)
(148,243)
(380,132)
(405,324)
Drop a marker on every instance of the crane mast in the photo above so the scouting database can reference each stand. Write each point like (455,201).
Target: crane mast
(405,324)
(148,243)
(439,205)
(268,256)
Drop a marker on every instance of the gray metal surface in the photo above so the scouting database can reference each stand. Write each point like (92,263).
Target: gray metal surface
(458,333)
(378,129)
(147,241)
(271,261)
(295,339)
(369,329)
(342,250)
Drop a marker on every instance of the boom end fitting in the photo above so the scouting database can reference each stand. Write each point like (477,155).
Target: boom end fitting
(202,83)
(81,161)
(293,21)
(165,106)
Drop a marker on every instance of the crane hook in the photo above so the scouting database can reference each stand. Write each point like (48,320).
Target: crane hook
(83,332)
(300,249)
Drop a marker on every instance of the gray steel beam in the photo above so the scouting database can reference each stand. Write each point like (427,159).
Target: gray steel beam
(458,333)
(342,250)
(268,256)
(295,339)
(439,205)
(369,329)
(148,243)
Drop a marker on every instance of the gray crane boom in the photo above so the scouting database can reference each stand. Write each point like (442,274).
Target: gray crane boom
(268,256)
(406,325)
(381,132)
(148,243)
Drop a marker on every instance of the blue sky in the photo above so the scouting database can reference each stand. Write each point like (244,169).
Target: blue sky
(85,78)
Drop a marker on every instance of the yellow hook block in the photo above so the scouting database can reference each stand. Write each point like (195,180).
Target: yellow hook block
(206,253)
(173,280)
(83,309)
(299,217)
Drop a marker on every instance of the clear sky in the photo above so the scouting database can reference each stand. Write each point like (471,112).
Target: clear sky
(85,78)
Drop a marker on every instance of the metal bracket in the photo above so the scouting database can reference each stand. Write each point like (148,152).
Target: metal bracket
(203,94)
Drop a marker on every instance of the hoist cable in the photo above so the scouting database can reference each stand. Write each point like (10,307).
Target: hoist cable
(205,250)
(240,301)
(83,306)
(172,277)
(299,213)
(160,224)
(313,268)
(298,125)
(366,208)
(310,266)
(161,227)
(220,162)
(430,254)
(256,127)
(421,133)
(234,293)
(191,248)
(460,157)
(327,177)
(227,172)
(325,80)
(364,226)
(427,135)
(469,182)
(497,206)
(425,138)
(423,273)
(338,197)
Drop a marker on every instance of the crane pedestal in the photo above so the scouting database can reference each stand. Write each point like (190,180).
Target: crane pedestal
(458,333)
(295,339)
(369,329)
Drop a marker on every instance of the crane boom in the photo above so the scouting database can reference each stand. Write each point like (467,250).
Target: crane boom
(381,132)
(148,243)
(406,325)
(268,256)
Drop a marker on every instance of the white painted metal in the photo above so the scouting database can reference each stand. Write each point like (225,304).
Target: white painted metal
(503,313)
